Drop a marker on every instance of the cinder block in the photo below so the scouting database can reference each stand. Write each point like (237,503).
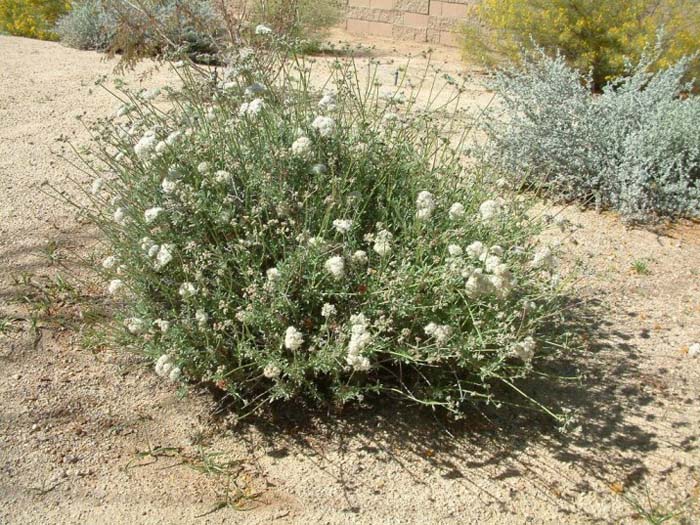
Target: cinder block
(382,4)
(414,6)
(410,33)
(358,26)
(454,10)
(415,20)
(380,29)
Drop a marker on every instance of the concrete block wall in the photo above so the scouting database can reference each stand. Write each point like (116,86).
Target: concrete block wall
(419,20)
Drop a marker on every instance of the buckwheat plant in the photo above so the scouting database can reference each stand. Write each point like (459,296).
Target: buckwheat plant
(284,230)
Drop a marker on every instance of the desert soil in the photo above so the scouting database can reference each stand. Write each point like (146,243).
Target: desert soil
(92,435)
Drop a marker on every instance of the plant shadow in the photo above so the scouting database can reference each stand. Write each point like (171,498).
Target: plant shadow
(501,446)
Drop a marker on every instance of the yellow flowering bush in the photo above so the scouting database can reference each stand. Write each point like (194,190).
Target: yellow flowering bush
(32,18)
(591,35)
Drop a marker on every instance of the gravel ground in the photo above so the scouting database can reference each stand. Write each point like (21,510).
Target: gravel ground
(93,436)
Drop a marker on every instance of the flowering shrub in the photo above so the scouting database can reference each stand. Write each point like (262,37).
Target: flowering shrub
(635,148)
(31,18)
(592,35)
(281,243)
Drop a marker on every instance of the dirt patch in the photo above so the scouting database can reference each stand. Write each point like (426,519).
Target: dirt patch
(91,435)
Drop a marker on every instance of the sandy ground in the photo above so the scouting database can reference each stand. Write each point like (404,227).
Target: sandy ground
(93,436)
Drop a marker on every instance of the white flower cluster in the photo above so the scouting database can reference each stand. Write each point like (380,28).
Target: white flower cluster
(425,205)
(271,371)
(335,266)
(165,367)
(328,103)
(293,339)
(342,225)
(501,280)
(251,109)
(440,332)
(382,243)
(456,211)
(151,214)
(491,208)
(261,29)
(187,290)
(324,125)
(114,286)
(525,349)
(360,338)
(145,146)
(328,310)
(301,147)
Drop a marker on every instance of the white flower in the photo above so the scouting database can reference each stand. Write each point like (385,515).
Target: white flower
(175,373)
(456,211)
(146,244)
(491,263)
(425,204)
(162,324)
(164,256)
(222,176)
(478,284)
(328,310)
(440,332)
(694,350)
(359,340)
(144,147)
(382,243)
(120,216)
(261,29)
(109,262)
(201,317)
(360,257)
(525,349)
(164,365)
(153,251)
(151,214)
(173,138)
(160,147)
(203,168)
(327,103)
(342,225)
(543,258)
(316,242)
(496,250)
(490,208)
(476,249)
(273,275)
(271,371)
(301,147)
(168,185)
(135,325)
(115,285)
(454,250)
(187,289)
(293,339)
(96,186)
(252,108)
(324,125)
(335,266)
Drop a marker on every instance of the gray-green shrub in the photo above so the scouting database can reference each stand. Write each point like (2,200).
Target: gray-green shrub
(634,148)
(143,28)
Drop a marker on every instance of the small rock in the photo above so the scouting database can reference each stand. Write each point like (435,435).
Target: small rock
(694,350)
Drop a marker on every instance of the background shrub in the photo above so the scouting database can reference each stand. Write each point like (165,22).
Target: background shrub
(280,243)
(307,19)
(31,18)
(635,148)
(591,35)
(143,28)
